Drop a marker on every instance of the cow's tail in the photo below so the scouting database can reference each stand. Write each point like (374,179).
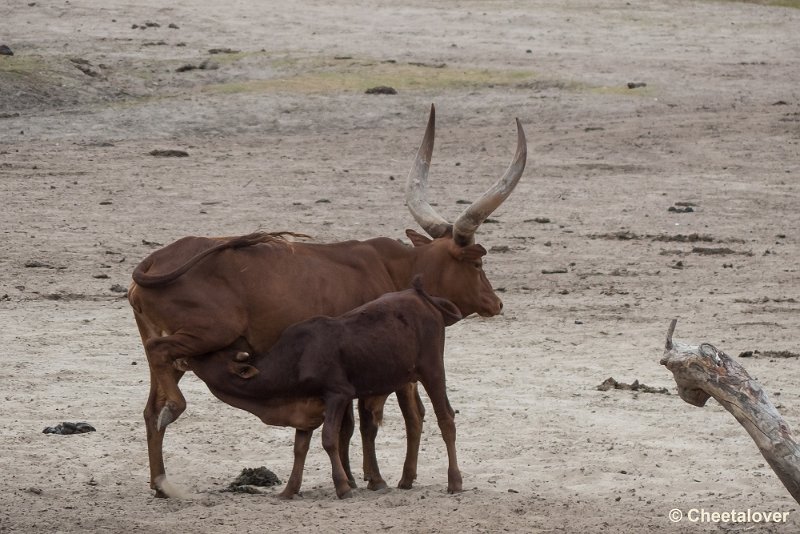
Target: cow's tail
(145,279)
(450,312)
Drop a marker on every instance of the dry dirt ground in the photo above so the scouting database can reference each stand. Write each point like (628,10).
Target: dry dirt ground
(281,136)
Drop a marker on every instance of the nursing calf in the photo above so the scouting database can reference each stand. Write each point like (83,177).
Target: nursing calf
(318,366)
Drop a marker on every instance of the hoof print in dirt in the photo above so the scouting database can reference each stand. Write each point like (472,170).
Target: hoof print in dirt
(67,428)
(381,90)
(253,478)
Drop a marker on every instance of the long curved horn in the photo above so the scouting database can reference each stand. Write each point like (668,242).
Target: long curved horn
(417,183)
(472,217)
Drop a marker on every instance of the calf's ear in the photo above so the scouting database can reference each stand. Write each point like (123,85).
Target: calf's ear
(243,370)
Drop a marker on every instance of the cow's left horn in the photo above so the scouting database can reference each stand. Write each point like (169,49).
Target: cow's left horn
(416,199)
(468,222)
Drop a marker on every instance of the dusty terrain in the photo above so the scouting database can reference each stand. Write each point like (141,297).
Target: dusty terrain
(281,136)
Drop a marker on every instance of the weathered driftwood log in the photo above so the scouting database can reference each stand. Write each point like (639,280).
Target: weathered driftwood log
(703,371)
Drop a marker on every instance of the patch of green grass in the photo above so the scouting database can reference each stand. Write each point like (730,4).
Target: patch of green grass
(330,76)
(22,65)
(795,4)
(621,90)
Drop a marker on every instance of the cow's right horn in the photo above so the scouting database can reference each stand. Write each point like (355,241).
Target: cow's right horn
(472,217)
(417,183)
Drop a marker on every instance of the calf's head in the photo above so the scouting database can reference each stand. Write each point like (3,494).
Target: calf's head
(451,262)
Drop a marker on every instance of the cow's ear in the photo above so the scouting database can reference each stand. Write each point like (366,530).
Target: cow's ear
(417,239)
(243,370)
(471,252)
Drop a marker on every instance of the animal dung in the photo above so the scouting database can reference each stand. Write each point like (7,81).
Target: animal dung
(67,428)
(254,476)
(610,383)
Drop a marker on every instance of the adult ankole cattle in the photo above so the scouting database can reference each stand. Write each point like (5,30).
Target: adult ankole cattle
(198,295)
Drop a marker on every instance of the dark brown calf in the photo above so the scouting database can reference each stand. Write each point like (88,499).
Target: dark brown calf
(318,366)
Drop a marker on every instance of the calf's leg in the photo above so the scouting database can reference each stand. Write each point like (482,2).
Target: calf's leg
(302,439)
(345,435)
(370,414)
(335,406)
(445,416)
(413,414)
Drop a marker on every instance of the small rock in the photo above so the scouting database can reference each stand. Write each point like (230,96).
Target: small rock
(168,153)
(116,288)
(5,51)
(223,51)
(687,209)
(636,85)
(173,26)
(500,248)
(381,90)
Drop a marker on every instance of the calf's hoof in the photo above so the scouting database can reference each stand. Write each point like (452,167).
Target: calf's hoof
(346,494)
(375,485)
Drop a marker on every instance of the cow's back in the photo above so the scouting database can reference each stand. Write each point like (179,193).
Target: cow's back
(257,291)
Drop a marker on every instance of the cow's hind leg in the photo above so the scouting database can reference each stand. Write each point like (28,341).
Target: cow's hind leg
(335,406)
(370,414)
(155,434)
(166,402)
(445,416)
(302,439)
(413,414)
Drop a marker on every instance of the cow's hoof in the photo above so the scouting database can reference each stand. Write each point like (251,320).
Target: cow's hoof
(376,485)
(287,495)
(352,482)
(405,484)
(454,489)
(345,494)
(161,495)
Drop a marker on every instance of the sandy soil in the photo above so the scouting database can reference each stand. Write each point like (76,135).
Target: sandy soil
(281,121)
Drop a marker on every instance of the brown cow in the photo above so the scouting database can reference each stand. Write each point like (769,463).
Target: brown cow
(318,366)
(199,295)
